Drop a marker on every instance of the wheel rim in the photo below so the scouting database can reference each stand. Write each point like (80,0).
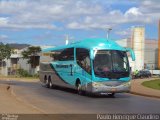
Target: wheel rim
(50,84)
(79,88)
(46,82)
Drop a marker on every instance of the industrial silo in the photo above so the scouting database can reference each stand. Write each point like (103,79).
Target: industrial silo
(138,37)
(159,45)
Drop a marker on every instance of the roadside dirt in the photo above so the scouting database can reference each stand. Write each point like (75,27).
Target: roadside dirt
(10,104)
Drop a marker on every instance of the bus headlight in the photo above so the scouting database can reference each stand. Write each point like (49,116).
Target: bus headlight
(127,83)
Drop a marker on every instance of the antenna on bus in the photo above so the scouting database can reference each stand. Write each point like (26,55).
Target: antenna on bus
(67,39)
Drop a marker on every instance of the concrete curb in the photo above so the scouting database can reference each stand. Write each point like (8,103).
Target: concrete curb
(139,89)
(11,91)
(145,95)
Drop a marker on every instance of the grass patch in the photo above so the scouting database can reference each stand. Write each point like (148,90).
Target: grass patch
(17,77)
(155,84)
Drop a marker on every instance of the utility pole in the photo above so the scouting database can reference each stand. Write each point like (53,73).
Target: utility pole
(108,31)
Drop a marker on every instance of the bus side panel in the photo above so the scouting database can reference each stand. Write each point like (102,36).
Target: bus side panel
(48,71)
(65,70)
(45,72)
(41,77)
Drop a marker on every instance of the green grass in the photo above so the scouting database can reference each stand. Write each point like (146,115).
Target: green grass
(155,84)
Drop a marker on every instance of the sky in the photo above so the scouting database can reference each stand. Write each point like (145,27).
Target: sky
(48,22)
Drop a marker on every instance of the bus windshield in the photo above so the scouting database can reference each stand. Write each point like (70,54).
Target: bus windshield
(111,64)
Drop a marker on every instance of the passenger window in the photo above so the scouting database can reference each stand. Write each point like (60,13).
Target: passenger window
(67,54)
(83,59)
(55,55)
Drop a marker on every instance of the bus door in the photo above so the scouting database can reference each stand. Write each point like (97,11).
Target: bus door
(83,68)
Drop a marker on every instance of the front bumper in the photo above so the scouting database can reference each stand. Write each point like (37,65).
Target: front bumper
(104,87)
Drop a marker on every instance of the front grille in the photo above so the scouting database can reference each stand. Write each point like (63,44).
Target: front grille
(113,83)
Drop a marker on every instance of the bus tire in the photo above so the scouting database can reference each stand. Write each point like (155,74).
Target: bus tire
(50,82)
(80,92)
(79,89)
(46,82)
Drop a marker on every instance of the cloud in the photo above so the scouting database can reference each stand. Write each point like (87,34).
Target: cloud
(6,23)
(4,38)
(150,6)
(144,13)
(28,26)
(133,11)
(42,14)
(126,32)
(75,25)
(3,21)
(79,14)
(26,14)
(151,9)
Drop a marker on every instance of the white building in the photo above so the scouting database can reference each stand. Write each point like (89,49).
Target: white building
(16,61)
(146,50)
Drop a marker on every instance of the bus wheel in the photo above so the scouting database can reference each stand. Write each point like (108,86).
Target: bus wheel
(47,83)
(79,89)
(50,84)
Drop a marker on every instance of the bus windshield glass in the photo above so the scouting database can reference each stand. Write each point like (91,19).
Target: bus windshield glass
(111,64)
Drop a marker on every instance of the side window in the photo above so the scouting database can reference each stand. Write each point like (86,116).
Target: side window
(66,54)
(83,59)
(55,55)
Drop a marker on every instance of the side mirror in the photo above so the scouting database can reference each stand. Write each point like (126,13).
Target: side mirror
(131,53)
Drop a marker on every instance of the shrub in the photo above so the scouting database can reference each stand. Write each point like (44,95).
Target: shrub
(36,75)
(23,73)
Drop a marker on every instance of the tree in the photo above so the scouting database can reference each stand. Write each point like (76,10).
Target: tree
(32,55)
(5,51)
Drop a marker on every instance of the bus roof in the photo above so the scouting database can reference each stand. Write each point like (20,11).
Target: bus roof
(98,43)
